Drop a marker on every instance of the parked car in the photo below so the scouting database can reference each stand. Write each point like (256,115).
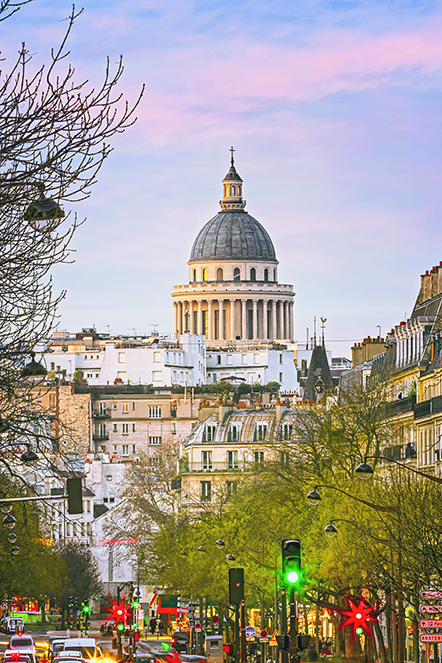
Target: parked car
(12,624)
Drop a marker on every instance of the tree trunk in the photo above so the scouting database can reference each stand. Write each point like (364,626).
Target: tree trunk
(43,610)
(380,642)
(415,636)
(317,641)
(389,638)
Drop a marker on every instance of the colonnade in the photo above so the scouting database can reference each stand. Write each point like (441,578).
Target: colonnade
(256,319)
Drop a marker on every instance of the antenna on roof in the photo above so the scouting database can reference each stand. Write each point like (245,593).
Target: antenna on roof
(314,331)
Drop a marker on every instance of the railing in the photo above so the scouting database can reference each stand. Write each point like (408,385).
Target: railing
(218,467)
(100,438)
(400,406)
(97,414)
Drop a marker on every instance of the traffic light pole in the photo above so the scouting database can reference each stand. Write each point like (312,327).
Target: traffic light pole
(243,648)
(284,654)
(237,632)
(119,642)
(293,627)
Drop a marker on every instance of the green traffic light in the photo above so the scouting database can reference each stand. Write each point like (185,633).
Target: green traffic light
(292,577)
(120,626)
(359,630)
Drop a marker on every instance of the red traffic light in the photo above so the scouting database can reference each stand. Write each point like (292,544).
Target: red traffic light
(229,649)
(136,636)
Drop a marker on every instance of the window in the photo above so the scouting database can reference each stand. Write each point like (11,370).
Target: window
(287,431)
(89,529)
(133,406)
(157,376)
(109,477)
(52,401)
(194,274)
(125,449)
(206,491)
(154,439)
(218,359)
(232,190)
(280,377)
(266,274)
(230,489)
(157,357)
(134,448)
(209,434)
(236,274)
(229,360)
(280,358)
(154,460)
(115,428)
(121,357)
(244,359)
(114,405)
(105,500)
(253,274)
(259,456)
(256,358)
(133,428)
(205,274)
(111,500)
(125,407)
(219,274)
(260,432)
(234,433)
(68,529)
(232,460)
(173,428)
(102,408)
(206,457)
(88,506)
(274,275)
(125,430)
(155,412)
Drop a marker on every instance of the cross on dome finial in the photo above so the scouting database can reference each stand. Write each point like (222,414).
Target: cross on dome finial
(232,160)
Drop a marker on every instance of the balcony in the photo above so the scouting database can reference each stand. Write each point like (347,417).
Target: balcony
(207,468)
(103,414)
(401,406)
(100,438)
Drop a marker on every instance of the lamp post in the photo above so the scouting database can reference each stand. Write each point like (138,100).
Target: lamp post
(365,470)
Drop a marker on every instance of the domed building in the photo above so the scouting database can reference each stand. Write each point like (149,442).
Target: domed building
(233,296)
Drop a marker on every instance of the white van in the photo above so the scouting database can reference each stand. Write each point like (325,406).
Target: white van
(87,646)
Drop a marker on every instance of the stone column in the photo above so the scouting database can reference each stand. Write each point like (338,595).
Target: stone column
(285,314)
(210,321)
(255,319)
(221,319)
(180,317)
(265,329)
(232,319)
(199,322)
(291,321)
(244,319)
(175,318)
(274,325)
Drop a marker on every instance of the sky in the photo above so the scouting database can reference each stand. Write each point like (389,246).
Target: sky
(333,107)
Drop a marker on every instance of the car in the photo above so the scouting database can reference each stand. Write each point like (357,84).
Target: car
(21,640)
(86,646)
(55,646)
(19,656)
(180,641)
(12,624)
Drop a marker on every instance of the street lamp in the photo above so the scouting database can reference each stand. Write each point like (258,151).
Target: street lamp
(230,558)
(29,456)
(9,521)
(43,214)
(313,497)
(330,530)
(220,544)
(365,471)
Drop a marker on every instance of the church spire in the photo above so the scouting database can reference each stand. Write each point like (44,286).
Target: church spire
(232,188)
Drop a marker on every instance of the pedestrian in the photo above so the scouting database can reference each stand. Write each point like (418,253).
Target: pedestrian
(152,624)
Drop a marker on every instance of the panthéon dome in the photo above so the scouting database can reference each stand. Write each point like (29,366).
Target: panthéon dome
(233,234)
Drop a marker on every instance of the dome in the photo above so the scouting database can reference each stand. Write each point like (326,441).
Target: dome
(233,235)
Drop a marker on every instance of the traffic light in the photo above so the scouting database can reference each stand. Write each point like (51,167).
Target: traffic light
(74,490)
(86,608)
(291,561)
(71,601)
(120,626)
(283,642)
(228,648)
(135,602)
(236,586)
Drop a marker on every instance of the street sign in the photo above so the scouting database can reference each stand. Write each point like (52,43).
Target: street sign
(263,633)
(197,627)
(191,623)
(268,615)
(273,640)
(215,619)
(262,640)
(250,632)
(430,623)
(430,594)
(430,608)
(431,637)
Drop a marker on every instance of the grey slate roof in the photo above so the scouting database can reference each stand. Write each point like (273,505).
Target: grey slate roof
(318,374)
(233,235)
(232,175)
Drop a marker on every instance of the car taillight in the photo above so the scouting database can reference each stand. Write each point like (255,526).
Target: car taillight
(173,641)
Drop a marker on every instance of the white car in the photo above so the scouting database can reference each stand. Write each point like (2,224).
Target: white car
(21,641)
(19,656)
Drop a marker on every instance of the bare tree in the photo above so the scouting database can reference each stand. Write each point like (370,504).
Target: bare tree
(54,137)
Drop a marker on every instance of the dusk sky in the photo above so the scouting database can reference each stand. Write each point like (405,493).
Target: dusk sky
(334,110)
